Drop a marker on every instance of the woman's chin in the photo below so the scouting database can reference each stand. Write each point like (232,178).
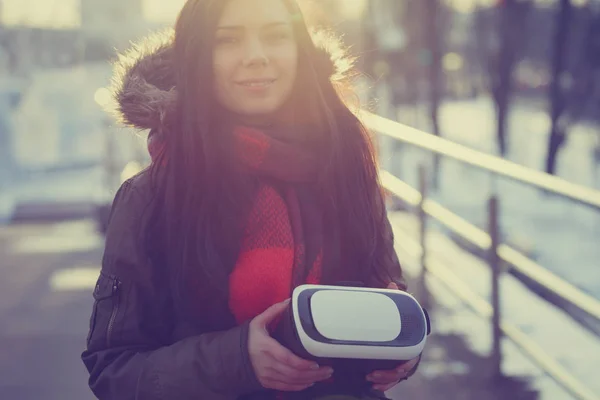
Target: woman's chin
(260,115)
(258,110)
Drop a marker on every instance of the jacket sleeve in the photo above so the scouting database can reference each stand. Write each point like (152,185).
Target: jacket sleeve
(129,354)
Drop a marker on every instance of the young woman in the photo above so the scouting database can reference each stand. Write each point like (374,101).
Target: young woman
(261,179)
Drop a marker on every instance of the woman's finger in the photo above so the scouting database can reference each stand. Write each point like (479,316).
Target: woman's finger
(385,387)
(284,387)
(408,366)
(271,313)
(385,377)
(285,356)
(288,374)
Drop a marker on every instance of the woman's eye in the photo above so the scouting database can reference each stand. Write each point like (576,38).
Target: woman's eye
(278,36)
(226,40)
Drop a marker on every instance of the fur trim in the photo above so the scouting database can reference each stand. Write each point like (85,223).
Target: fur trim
(144,89)
(143,85)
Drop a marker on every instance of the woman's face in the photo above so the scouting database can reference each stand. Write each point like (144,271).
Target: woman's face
(255,57)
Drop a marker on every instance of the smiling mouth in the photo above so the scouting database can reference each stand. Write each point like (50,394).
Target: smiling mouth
(257,83)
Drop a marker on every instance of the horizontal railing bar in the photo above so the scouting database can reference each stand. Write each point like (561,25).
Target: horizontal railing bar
(497,165)
(481,238)
(458,225)
(452,221)
(550,281)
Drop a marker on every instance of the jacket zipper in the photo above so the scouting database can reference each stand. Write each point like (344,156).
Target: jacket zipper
(113,315)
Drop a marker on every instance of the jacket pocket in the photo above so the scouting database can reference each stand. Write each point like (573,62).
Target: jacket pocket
(106,306)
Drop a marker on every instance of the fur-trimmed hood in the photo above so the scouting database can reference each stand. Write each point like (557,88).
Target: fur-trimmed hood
(144,86)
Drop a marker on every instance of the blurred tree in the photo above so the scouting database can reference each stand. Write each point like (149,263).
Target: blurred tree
(387,45)
(434,46)
(500,37)
(559,86)
(512,22)
(10,98)
(575,67)
(435,29)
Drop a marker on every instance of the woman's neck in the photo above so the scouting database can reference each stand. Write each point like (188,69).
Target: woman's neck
(282,117)
(280,125)
(256,121)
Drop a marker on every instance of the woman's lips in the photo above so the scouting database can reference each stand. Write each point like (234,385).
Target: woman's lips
(257,83)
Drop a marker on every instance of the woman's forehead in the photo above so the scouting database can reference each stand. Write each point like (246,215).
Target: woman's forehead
(254,14)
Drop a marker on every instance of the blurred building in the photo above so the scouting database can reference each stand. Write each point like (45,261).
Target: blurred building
(24,48)
(115,22)
(49,75)
(105,25)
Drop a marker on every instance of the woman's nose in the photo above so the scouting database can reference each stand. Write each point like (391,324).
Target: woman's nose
(255,53)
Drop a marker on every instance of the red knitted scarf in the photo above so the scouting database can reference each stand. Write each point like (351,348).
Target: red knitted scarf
(282,240)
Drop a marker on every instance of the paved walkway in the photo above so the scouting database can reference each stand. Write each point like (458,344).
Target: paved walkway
(48,270)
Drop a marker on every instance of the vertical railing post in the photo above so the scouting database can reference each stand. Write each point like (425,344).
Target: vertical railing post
(494,262)
(423,234)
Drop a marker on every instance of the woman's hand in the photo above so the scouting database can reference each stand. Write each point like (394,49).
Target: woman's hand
(386,379)
(275,366)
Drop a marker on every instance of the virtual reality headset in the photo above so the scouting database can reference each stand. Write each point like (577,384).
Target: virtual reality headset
(366,328)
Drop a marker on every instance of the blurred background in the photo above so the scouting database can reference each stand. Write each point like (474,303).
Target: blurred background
(517,79)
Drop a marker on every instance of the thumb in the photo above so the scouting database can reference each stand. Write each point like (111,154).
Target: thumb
(272,313)
(392,285)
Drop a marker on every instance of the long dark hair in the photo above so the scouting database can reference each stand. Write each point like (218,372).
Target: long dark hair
(203,197)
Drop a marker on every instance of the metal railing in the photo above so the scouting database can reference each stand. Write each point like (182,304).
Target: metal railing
(499,256)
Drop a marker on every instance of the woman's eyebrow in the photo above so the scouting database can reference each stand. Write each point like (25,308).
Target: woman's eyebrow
(275,25)
(240,27)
